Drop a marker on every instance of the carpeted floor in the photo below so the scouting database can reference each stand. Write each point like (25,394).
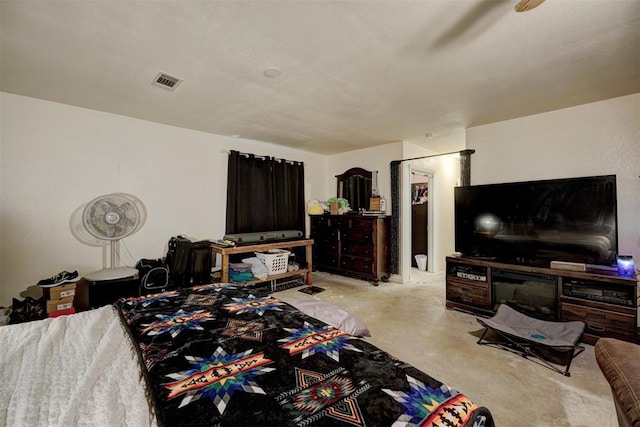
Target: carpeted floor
(410,321)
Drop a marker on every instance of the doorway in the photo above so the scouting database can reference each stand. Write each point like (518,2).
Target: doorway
(445,170)
(421,182)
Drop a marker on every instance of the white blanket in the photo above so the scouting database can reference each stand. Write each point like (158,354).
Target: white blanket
(76,370)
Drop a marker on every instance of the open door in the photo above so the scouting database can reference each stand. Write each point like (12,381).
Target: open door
(419,217)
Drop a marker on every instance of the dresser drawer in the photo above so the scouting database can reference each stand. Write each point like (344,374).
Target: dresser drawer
(357,235)
(359,249)
(326,260)
(320,221)
(359,265)
(326,250)
(325,247)
(362,223)
(324,235)
(601,322)
(477,296)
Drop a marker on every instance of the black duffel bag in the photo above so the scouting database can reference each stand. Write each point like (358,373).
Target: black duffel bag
(154,276)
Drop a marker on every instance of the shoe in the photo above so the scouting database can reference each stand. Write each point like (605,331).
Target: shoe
(58,279)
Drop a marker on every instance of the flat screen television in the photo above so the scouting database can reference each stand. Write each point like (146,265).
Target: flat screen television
(536,222)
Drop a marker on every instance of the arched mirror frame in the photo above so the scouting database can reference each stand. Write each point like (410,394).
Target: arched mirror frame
(365,191)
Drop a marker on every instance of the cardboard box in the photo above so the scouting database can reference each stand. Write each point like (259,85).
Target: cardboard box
(374,204)
(61,291)
(334,208)
(59,304)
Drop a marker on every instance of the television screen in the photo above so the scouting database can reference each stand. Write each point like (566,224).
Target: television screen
(536,222)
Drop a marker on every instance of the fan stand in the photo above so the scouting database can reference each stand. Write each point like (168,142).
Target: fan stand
(113,272)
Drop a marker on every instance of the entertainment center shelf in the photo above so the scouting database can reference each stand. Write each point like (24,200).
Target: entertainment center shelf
(606,302)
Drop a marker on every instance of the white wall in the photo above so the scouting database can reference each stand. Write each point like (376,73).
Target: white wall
(56,157)
(375,158)
(446,171)
(600,138)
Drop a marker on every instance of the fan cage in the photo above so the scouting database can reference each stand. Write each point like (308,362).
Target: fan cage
(111,217)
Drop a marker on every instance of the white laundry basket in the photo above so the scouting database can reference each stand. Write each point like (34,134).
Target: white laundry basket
(276,260)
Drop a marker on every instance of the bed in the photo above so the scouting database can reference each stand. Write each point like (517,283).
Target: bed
(218,355)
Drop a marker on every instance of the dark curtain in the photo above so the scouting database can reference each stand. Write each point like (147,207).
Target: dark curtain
(288,186)
(264,194)
(465,167)
(395,217)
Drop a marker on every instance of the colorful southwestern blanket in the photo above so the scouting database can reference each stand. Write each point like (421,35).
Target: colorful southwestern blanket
(224,355)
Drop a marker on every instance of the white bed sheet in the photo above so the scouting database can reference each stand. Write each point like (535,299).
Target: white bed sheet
(76,370)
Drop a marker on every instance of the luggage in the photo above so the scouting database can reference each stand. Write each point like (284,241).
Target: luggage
(177,261)
(189,263)
(200,262)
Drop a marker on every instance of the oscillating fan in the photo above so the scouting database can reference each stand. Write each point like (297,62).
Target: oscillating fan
(110,218)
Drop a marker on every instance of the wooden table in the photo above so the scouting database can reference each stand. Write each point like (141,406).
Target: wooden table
(240,249)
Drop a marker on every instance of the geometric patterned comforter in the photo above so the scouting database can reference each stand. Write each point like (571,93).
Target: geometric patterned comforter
(225,355)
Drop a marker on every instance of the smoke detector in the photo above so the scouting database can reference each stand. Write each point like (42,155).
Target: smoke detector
(166,81)
(272,72)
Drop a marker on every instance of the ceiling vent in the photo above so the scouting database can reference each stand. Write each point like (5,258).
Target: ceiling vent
(166,81)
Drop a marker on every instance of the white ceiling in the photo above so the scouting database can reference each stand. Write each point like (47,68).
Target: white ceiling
(354,73)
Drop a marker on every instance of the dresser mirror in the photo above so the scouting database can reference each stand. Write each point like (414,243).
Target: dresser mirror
(355,185)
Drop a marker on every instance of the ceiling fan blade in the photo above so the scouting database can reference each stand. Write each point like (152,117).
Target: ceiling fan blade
(525,5)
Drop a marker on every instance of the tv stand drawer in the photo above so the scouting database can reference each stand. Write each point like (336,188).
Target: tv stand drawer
(463,293)
(601,323)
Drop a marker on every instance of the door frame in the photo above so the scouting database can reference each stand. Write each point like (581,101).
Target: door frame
(429,180)
(405,219)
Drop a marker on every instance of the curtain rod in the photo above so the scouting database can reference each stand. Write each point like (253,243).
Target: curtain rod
(292,162)
(244,154)
(468,151)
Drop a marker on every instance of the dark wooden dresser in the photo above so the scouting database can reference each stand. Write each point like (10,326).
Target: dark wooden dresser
(351,245)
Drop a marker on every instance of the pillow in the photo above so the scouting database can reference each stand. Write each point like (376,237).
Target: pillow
(334,316)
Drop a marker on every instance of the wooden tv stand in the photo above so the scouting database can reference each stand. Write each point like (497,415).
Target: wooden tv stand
(606,302)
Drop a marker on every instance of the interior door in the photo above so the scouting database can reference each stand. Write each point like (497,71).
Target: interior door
(419,220)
